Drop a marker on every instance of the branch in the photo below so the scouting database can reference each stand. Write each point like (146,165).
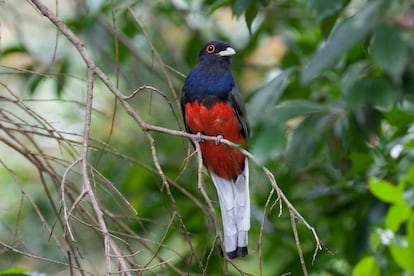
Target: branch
(109,243)
(295,234)
(13,249)
(93,70)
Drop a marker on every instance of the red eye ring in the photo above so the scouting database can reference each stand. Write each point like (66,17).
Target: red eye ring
(210,49)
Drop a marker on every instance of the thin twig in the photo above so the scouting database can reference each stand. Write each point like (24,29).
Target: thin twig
(297,241)
(93,70)
(154,50)
(262,225)
(20,252)
(63,195)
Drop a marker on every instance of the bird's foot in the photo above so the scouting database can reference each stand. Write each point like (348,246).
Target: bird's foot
(198,137)
(218,139)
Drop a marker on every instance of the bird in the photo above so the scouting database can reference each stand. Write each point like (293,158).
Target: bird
(211,105)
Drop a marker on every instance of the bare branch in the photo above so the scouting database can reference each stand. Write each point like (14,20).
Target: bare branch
(99,215)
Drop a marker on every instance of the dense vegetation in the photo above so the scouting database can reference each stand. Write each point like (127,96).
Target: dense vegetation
(329,88)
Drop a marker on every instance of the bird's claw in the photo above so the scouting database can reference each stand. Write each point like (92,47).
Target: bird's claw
(198,137)
(218,139)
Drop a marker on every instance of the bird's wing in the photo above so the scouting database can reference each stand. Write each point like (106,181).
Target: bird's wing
(183,99)
(238,105)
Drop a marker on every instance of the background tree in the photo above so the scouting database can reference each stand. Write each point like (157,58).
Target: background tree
(97,176)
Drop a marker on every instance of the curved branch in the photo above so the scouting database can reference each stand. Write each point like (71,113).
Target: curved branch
(93,70)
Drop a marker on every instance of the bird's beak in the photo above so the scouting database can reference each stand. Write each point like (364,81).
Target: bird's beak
(228,52)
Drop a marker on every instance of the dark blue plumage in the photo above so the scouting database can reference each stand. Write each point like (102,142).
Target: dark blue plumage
(211,79)
(212,105)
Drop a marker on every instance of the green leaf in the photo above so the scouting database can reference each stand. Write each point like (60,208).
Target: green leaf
(15,271)
(62,78)
(360,162)
(328,23)
(305,139)
(342,38)
(403,255)
(34,83)
(375,240)
(354,73)
(410,175)
(400,118)
(13,50)
(270,138)
(218,4)
(396,215)
(376,92)
(410,232)
(250,16)
(408,83)
(265,98)
(367,267)
(324,8)
(268,143)
(293,108)
(240,6)
(389,51)
(385,191)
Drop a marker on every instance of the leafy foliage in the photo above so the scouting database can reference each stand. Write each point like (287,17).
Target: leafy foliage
(331,114)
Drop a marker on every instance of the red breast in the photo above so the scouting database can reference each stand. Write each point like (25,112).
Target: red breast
(218,119)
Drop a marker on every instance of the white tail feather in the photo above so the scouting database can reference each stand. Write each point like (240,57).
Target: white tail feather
(242,205)
(235,208)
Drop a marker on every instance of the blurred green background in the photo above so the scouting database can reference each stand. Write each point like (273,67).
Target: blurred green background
(329,88)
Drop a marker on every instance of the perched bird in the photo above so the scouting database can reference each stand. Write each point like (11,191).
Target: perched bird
(211,105)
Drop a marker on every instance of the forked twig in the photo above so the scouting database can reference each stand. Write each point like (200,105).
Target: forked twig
(94,71)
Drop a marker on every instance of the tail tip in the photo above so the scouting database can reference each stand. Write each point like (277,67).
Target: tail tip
(239,252)
(242,251)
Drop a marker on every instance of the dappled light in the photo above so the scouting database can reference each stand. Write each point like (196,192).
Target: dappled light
(100,176)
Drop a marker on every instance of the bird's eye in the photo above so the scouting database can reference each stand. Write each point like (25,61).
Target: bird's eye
(211,48)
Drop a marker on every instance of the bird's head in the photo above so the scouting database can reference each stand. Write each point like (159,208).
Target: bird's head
(216,51)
